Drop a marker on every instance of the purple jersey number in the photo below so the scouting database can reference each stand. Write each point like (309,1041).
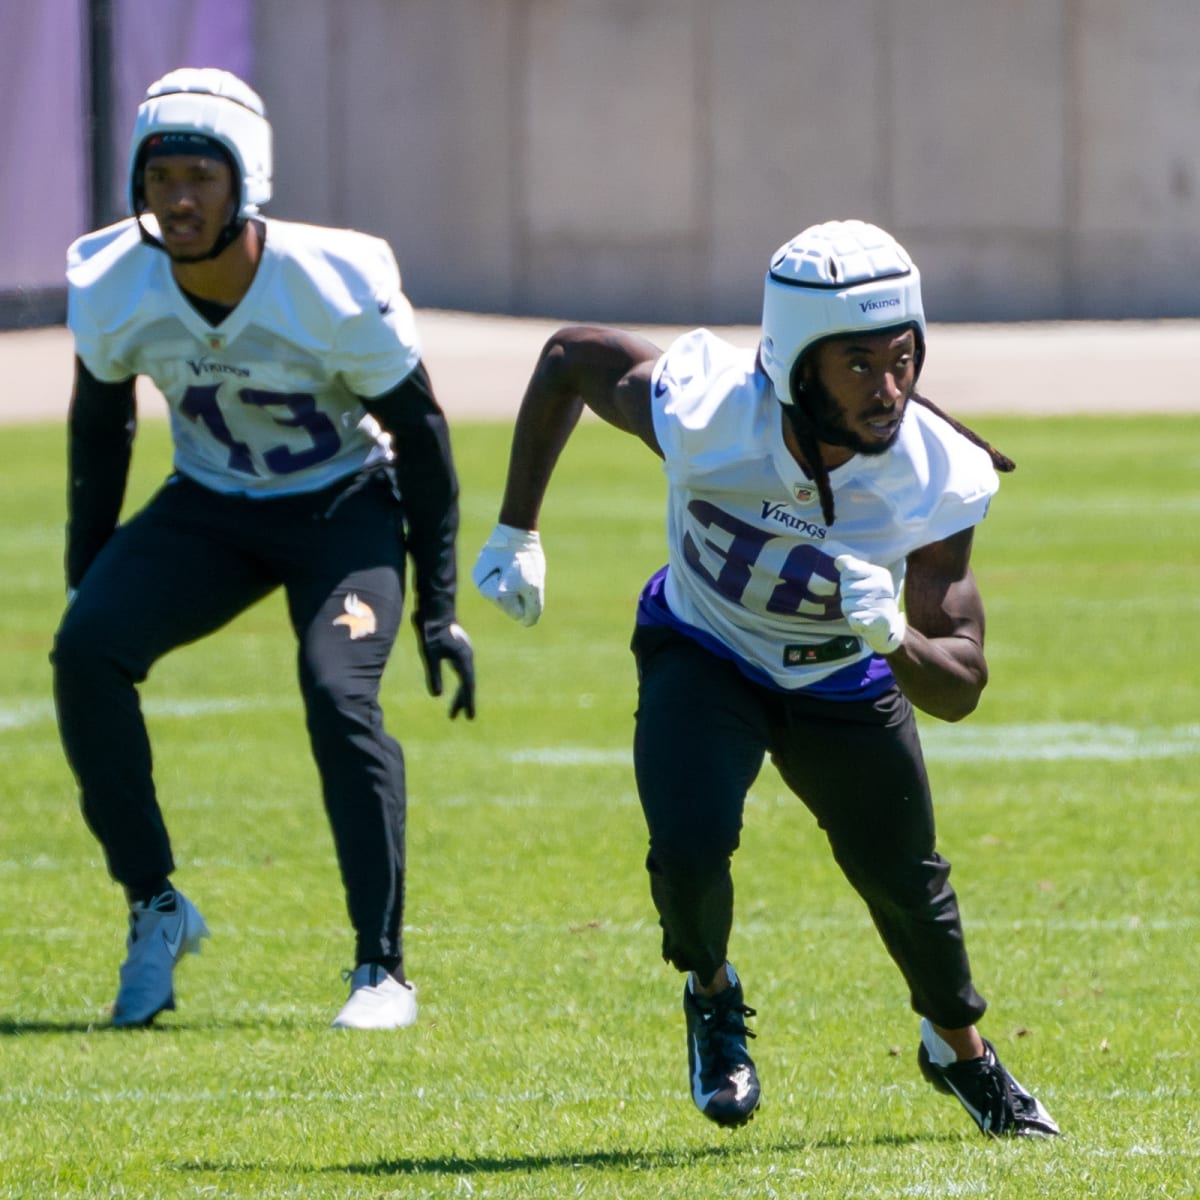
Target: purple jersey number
(725,558)
(200,404)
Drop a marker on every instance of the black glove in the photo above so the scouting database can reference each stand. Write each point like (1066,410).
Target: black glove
(447,641)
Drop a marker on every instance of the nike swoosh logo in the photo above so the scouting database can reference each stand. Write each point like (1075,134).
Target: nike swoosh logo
(700,1096)
(174,943)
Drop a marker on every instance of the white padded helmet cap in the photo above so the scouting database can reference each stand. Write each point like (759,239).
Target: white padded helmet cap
(215,103)
(835,278)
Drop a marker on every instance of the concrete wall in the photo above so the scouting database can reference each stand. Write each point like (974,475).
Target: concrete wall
(640,159)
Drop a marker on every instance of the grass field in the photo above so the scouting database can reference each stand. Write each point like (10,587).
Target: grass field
(549,1058)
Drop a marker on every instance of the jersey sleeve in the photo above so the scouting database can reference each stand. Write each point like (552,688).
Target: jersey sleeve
(688,387)
(103,274)
(968,496)
(377,345)
(952,481)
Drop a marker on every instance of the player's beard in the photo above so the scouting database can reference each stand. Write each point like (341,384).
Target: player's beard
(825,420)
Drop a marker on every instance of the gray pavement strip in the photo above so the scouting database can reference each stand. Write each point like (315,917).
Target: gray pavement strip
(480,365)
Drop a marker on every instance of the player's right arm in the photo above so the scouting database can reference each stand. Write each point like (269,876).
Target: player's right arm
(582,366)
(101,424)
(603,369)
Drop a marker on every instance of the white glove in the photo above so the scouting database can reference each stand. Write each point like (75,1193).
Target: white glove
(868,594)
(511,572)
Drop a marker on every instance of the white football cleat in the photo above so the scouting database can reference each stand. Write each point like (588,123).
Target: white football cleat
(161,932)
(377,1001)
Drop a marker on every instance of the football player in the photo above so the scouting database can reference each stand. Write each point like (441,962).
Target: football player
(820,516)
(309,454)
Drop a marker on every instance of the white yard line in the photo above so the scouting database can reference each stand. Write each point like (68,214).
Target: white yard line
(1080,740)
(20,716)
(1032,742)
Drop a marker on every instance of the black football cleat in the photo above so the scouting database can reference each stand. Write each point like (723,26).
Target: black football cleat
(723,1080)
(998,1104)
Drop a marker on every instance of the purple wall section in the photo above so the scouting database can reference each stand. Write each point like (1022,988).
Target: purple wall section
(153,37)
(44,140)
(43,186)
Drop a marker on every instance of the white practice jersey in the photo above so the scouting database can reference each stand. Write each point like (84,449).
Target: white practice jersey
(265,403)
(751,562)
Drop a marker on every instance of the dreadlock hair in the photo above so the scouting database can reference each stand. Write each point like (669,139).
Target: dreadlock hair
(806,436)
(1000,461)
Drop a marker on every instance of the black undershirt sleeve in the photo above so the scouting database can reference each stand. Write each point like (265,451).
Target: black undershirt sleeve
(101,424)
(429,488)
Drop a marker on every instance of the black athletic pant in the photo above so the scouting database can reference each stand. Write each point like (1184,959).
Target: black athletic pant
(183,567)
(702,732)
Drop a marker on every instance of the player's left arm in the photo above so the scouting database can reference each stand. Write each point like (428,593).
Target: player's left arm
(940,664)
(429,488)
(101,425)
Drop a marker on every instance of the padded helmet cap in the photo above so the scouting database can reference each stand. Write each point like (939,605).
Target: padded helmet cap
(217,105)
(836,278)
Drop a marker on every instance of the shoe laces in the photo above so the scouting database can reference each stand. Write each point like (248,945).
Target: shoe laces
(723,1026)
(996,1097)
(164,902)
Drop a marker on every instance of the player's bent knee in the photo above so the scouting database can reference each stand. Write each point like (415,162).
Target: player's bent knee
(79,648)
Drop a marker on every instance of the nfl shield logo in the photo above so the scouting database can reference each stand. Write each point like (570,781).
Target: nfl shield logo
(216,341)
(805,493)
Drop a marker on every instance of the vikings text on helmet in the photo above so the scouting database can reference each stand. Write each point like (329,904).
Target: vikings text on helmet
(835,278)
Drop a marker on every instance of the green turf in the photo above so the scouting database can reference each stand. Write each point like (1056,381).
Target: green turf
(549,1058)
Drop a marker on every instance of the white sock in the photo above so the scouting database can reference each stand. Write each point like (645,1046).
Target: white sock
(939,1050)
